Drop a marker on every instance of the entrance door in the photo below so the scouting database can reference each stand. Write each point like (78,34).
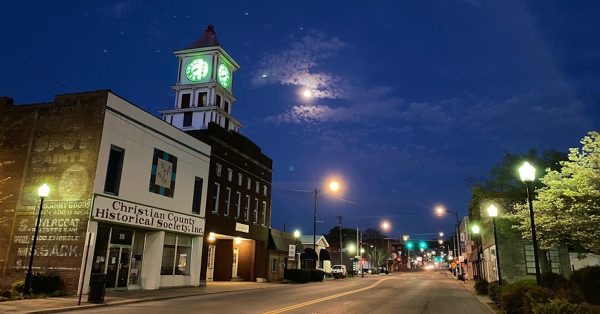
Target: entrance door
(234,267)
(117,268)
(210,267)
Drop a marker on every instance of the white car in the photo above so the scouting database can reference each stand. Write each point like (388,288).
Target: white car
(339,271)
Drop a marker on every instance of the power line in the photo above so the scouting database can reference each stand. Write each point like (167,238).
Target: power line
(30,66)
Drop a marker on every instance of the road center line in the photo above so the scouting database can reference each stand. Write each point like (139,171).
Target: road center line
(299,305)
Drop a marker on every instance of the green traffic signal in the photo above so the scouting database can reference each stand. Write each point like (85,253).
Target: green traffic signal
(409,245)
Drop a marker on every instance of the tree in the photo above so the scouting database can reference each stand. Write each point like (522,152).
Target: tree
(567,207)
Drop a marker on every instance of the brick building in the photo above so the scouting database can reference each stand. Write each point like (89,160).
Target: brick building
(118,175)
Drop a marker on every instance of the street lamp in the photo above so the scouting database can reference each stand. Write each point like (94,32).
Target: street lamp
(43,192)
(332,186)
(493,212)
(441,234)
(440,211)
(475,230)
(527,174)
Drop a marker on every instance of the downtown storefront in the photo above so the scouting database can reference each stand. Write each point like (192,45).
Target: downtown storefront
(142,247)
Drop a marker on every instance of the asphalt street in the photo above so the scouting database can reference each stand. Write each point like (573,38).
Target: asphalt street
(418,292)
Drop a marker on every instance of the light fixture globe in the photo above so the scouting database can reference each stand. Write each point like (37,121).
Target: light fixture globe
(297,234)
(43,190)
(492,211)
(527,172)
(475,229)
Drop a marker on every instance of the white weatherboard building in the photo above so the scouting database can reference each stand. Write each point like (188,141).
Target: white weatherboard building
(147,216)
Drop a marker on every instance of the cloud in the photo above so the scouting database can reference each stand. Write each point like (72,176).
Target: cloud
(294,65)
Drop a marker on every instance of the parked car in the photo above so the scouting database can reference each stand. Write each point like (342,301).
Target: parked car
(339,271)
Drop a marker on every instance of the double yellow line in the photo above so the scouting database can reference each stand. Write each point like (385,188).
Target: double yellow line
(299,305)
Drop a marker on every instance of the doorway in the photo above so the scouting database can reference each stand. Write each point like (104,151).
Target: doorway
(117,270)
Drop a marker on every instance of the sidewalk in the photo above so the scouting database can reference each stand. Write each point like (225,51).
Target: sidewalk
(69,303)
(470,286)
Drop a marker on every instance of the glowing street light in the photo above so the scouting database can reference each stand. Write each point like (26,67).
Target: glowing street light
(441,234)
(527,174)
(405,237)
(475,229)
(296,234)
(493,212)
(43,192)
(333,185)
(386,226)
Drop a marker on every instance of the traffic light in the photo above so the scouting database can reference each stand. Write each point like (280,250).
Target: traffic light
(409,245)
(422,245)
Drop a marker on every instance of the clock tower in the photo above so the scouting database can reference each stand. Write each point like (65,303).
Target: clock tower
(204,84)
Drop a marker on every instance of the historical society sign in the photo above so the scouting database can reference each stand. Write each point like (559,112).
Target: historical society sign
(124,212)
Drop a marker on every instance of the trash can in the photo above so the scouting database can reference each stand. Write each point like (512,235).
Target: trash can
(97,288)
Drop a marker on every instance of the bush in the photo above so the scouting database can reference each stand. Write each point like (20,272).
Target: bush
(6,294)
(494,291)
(481,286)
(587,279)
(297,275)
(571,294)
(553,281)
(559,306)
(512,296)
(303,275)
(317,275)
(45,283)
(536,295)
(17,287)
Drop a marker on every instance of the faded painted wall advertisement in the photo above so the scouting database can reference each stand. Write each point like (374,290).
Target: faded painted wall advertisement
(60,149)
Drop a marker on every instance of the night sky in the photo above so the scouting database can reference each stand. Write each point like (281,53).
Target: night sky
(412,100)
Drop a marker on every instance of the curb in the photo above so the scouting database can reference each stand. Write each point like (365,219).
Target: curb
(492,309)
(132,301)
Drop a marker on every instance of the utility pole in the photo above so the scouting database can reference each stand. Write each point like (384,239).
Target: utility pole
(341,250)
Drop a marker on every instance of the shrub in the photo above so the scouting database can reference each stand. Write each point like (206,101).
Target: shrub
(481,286)
(45,283)
(559,306)
(494,291)
(17,286)
(512,296)
(317,275)
(571,294)
(536,295)
(297,275)
(587,279)
(6,294)
(553,281)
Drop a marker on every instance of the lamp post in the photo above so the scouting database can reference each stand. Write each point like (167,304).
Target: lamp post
(475,229)
(440,210)
(493,212)
(43,192)
(296,237)
(385,226)
(333,186)
(527,174)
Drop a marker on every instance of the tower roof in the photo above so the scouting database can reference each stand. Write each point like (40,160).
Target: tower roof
(208,39)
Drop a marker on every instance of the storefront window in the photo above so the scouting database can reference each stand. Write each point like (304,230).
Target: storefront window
(177,253)
(184,252)
(168,256)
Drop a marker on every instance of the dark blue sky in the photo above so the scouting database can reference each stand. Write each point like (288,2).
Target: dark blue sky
(412,98)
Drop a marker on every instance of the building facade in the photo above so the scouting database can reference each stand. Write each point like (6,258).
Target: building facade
(239,183)
(127,193)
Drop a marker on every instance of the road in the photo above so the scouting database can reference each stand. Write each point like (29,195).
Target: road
(420,292)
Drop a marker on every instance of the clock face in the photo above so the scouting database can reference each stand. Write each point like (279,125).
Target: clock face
(196,69)
(224,76)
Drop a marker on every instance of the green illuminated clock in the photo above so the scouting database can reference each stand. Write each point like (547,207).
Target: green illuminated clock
(196,69)
(223,75)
